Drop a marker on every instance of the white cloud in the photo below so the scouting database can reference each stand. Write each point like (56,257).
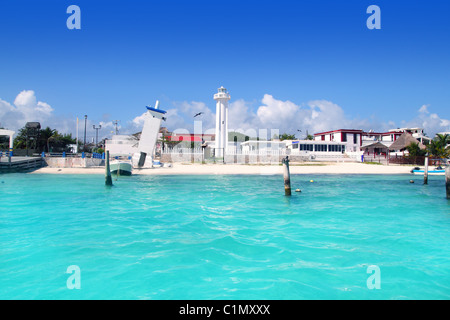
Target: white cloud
(314,116)
(26,108)
(424,108)
(321,115)
(431,122)
(271,114)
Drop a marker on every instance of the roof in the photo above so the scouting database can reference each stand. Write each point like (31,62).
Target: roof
(262,142)
(380,133)
(404,141)
(4,132)
(34,125)
(189,137)
(318,142)
(340,130)
(185,138)
(156,110)
(377,144)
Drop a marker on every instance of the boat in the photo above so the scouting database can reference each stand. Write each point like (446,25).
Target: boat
(430,172)
(157,164)
(121,168)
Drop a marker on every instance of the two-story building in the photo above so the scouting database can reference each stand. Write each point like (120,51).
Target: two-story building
(350,138)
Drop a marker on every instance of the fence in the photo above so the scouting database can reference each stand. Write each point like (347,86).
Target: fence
(266,155)
(21,164)
(406,160)
(5,153)
(73,155)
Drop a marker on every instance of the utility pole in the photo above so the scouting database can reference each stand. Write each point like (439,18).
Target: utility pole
(85,121)
(96,133)
(116,123)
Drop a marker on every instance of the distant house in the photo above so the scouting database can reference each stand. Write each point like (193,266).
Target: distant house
(305,147)
(190,137)
(350,138)
(386,138)
(417,133)
(359,140)
(261,146)
(404,141)
(376,148)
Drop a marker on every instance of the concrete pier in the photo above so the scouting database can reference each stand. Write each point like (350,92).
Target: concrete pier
(425,171)
(287,177)
(108,178)
(447,181)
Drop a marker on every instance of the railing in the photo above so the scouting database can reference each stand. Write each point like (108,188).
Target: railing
(73,155)
(23,164)
(183,151)
(5,153)
(266,152)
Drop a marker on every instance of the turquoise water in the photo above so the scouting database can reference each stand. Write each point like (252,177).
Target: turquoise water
(223,237)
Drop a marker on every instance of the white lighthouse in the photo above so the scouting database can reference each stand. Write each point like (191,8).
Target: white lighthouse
(222,97)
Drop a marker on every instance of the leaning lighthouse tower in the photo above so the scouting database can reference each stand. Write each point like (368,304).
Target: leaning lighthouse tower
(222,97)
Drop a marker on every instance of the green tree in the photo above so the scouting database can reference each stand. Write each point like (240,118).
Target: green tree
(49,140)
(99,150)
(415,151)
(20,140)
(443,139)
(438,147)
(286,136)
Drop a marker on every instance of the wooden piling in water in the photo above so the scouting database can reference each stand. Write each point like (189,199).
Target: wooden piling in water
(287,176)
(447,180)
(425,171)
(108,178)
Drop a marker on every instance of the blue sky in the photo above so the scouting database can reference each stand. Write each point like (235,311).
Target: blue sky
(297,56)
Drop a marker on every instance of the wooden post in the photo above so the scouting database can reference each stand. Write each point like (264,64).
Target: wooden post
(425,171)
(287,176)
(447,180)
(108,179)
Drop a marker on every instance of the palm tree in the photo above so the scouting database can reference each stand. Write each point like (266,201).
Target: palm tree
(438,147)
(415,151)
(443,139)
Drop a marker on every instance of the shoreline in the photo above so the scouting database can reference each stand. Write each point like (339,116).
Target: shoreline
(242,169)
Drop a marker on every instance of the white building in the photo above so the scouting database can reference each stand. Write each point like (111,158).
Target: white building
(417,133)
(351,139)
(221,140)
(253,146)
(9,133)
(386,138)
(122,145)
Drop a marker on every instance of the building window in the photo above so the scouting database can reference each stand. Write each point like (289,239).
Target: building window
(344,137)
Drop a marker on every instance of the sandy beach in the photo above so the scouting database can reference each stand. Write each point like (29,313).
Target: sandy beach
(230,169)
